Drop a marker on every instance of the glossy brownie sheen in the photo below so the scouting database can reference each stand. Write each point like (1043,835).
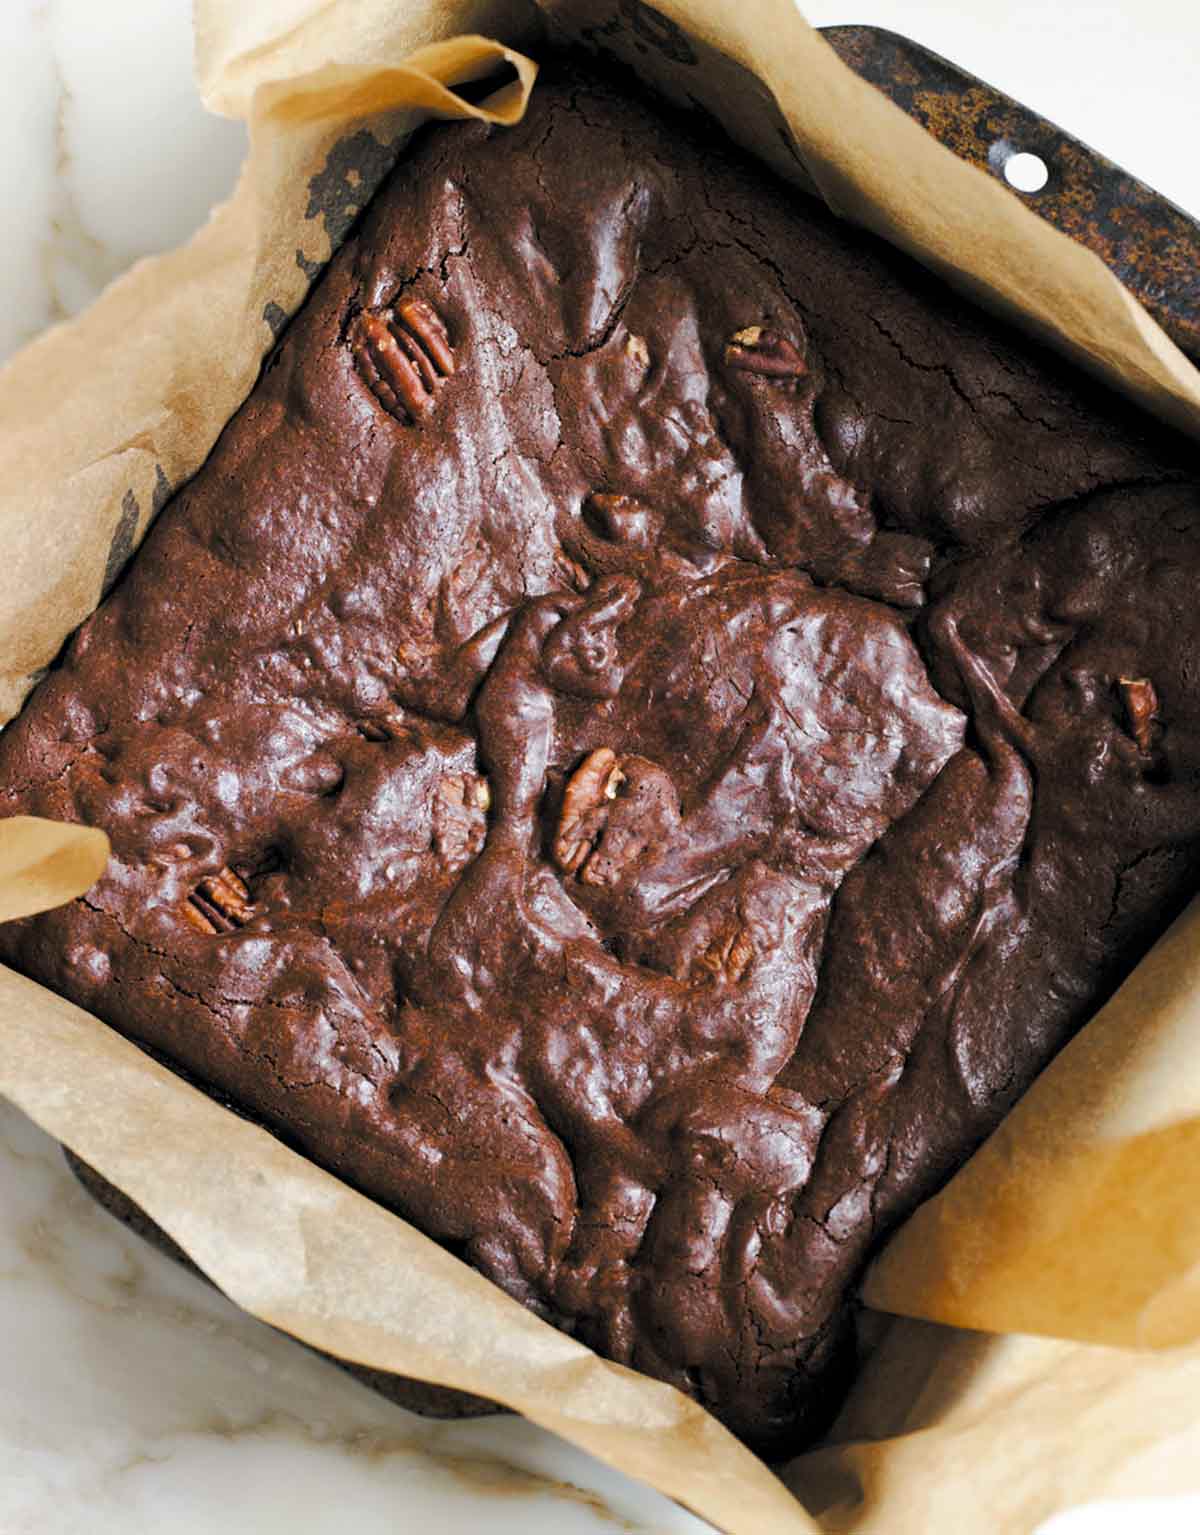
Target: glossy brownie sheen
(652,725)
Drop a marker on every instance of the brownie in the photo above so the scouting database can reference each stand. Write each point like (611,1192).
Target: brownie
(652,725)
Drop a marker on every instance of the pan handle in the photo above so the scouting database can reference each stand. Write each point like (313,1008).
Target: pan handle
(1152,245)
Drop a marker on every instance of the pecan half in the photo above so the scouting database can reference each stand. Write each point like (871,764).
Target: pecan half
(1141,709)
(219,904)
(403,355)
(590,787)
(759,350)
(460,816)
(728,956)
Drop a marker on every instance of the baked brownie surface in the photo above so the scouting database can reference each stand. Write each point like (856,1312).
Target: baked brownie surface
(652,725)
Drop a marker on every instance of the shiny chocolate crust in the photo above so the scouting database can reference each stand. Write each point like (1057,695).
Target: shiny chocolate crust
(653,724)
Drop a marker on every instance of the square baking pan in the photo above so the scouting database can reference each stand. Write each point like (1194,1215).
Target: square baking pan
(1150,244)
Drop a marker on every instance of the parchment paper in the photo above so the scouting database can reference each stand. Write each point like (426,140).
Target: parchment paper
(1109,1137)
(103,417)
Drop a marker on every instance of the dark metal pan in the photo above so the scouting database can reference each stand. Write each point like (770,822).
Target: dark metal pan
(1152,246)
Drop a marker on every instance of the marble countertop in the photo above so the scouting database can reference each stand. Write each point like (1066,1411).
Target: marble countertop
(132,1396)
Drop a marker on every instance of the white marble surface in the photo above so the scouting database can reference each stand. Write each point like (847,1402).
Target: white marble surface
(132,1398)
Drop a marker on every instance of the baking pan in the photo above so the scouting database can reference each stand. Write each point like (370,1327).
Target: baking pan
(1151,245)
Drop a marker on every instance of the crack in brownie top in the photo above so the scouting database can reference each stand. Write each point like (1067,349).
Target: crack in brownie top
(652,725)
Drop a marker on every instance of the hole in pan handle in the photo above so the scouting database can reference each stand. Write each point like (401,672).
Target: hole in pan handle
(1023,171)
(1152,245)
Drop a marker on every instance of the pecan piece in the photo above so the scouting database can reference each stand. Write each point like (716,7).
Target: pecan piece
(1141,710)
(570,572)
(759,350)
(622,519)
(269,861)
(178,852)
(373,730)
(381,727)
(728,956)
(219,904)
(460,816)
(403,356)
(637,351)
(590,787)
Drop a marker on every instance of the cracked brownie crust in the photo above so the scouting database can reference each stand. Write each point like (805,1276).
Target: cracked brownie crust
(652,725)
